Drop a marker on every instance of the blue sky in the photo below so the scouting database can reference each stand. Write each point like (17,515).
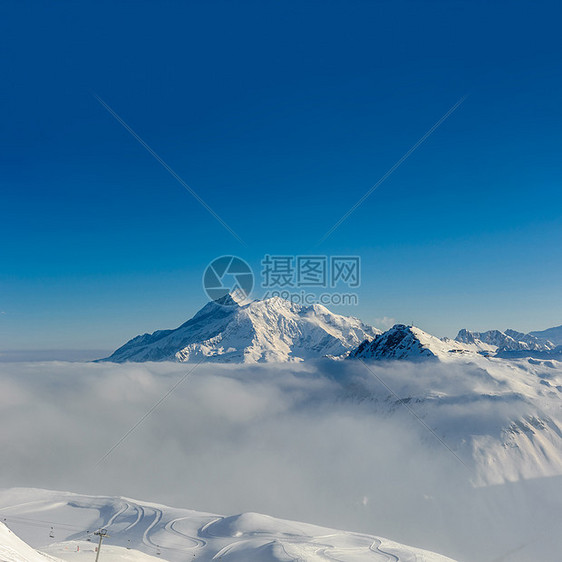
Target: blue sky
(280,116)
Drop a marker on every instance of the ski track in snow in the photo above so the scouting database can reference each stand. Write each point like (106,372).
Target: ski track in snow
(178,535)
(125,507)
(389,556)
(157,518)
(197,543)
(152,520)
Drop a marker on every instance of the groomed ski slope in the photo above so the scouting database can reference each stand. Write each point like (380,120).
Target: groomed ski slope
(13,549)
(146,531)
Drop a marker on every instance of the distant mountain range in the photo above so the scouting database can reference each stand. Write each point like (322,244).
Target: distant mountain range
(510,340)
(552,334)
(276,330)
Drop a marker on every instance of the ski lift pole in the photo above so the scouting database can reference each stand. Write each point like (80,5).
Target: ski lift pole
(102,534)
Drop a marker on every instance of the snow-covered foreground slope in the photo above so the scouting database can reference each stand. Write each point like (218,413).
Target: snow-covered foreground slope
(268,330)
(13,549)
(174,534)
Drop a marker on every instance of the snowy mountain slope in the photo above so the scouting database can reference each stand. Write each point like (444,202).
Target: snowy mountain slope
(511,344)
(78,551)
(507,341)
(276,330)
(521,437)
(407,342)
(411,343)
(271,330)
(551,334)
(13,549)
(511,410)
(180,534)
(510,420)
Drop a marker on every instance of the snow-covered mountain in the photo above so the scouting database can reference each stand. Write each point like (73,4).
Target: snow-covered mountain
(142,531)
(510,340)
(512,422)
(276,330)
(407,342)
(411,343)
(270,330)
(553,335)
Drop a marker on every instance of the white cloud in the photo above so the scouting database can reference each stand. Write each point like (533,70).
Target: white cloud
(304,442)
(384,323)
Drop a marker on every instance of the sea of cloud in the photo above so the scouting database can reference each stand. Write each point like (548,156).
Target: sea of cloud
(321,442)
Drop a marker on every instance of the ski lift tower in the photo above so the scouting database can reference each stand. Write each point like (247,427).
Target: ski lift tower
(102,533)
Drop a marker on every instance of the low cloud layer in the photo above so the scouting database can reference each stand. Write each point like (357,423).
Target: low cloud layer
(311,442)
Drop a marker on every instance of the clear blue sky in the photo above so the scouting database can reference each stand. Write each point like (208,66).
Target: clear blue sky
(281,115)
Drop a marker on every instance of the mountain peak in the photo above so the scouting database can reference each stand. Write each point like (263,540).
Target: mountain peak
(399,342)
(236,297)
(232,330)
(406,342)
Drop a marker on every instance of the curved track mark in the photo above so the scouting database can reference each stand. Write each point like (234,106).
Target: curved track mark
(383,552)
(139,517)
(170,526)
(205,533)
(124,507)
